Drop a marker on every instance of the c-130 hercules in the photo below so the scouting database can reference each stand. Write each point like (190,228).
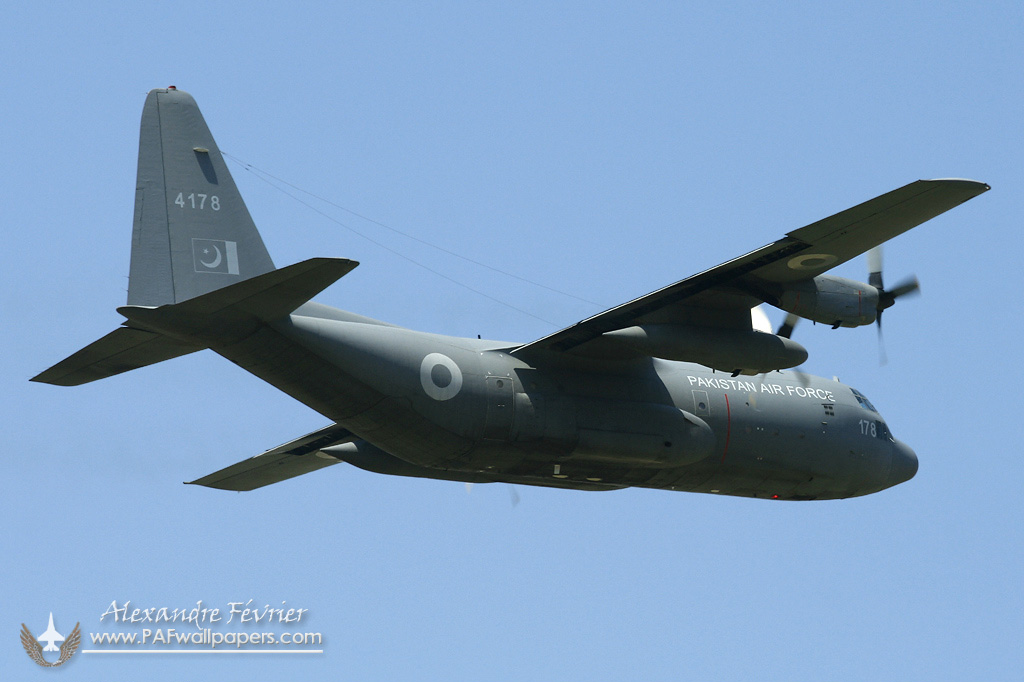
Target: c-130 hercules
(660,392)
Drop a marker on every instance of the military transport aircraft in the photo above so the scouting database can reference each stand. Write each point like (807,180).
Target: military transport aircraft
(674,390)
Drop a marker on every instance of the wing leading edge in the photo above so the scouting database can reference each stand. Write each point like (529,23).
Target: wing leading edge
(721,297)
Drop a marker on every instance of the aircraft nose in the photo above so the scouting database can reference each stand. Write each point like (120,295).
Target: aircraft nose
(904,463)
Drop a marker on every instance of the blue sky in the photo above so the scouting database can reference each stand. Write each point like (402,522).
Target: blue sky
(596,149)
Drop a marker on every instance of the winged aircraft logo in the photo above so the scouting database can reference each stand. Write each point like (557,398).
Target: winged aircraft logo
(34,646)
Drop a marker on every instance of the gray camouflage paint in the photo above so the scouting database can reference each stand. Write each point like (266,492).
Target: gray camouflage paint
(605,404)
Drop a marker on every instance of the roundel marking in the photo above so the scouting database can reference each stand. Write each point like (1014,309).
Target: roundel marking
(440,376)
(811,261)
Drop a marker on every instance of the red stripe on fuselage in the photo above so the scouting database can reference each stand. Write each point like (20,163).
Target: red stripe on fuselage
(728,426)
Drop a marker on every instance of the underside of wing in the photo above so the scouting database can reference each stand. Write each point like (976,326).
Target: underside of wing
(294,458)
(705,318)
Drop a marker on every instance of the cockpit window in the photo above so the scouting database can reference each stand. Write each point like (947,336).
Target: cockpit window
(864,402)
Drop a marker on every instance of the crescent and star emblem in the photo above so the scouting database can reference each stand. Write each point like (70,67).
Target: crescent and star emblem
(216,261)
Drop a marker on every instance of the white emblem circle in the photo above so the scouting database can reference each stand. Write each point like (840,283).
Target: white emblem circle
(434,390)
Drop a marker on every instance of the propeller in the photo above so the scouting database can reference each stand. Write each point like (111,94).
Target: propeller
(886,297)
(786,332)
(786,329)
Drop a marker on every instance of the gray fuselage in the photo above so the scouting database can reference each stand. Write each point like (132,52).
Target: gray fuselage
(468,410)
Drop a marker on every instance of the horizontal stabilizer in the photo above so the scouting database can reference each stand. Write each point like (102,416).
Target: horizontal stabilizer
(294,458)
(121,350)
(235,310)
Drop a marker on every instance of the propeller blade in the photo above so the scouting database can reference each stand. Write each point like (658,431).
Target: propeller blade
(907,286)
(883,358)
(786,330)
(802,377)
(875,268)
(886,298)
(513,495)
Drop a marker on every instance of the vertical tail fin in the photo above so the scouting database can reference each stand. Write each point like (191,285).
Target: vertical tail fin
(192,232)
(192,236)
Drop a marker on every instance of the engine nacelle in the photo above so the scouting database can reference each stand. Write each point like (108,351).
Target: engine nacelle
(832,300)
(728,350)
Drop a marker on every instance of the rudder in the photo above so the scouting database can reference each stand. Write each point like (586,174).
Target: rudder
(192,232)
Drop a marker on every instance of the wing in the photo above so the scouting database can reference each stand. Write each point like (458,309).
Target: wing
(721,298)
(283,462)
